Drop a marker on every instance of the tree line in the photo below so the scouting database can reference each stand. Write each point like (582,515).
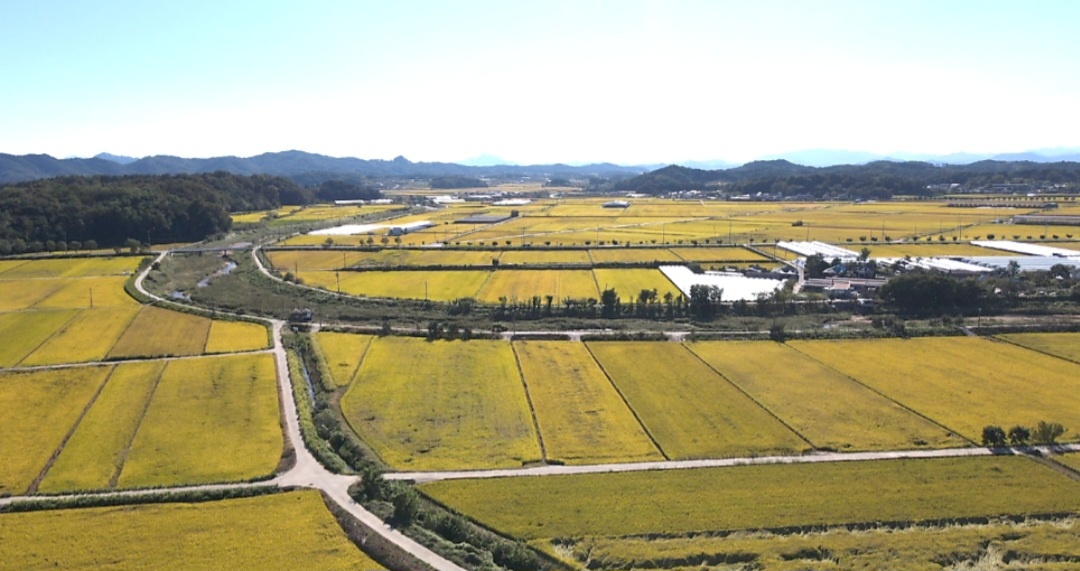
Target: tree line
(69,213)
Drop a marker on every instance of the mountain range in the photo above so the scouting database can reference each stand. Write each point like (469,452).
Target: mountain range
(304,168)
(309,168)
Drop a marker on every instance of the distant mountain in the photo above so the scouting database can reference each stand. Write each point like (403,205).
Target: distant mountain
(304,168)
(827,157)
(115,158)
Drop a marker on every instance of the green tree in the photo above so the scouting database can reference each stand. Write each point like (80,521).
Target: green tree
(1047,432)
(1019,435)
(609,302)
(993,436)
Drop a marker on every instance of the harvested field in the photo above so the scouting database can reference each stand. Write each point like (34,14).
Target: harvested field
(688,409)
(964,383)
(234,336)
(756,497)
(95,453)
(159,332)
(40,408)
(25,331)
(524,284)
(279,532)
(827,408)
(212,419)
(582,418)
(342,353)
(87,337)
(456,405)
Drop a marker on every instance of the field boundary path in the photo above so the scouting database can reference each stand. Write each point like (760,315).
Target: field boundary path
(811,458)
(306,471)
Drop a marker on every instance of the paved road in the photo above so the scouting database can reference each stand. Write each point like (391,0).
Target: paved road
(810,458)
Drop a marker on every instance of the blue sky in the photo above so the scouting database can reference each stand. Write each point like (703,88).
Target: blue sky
(536,82)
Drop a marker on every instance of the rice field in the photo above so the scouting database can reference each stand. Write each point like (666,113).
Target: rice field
(87,337)
(524,284)
(212,419)
(1040,546)
(962,383)
(436,286)
(17,295)
(545,257)
(92,458)
(581,416)
(73,268)
(455,405)
(689,410)
(235,336)
(342,353)
(91,292)
(827,408)
(157,332)
(729,254)
(631,255)
(278,532)
(24,332)
(759,497)
(1064,345)
(40,408)
(629,283)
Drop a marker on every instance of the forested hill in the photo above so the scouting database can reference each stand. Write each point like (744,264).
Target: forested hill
(108,211)
(304,168)
(879,179)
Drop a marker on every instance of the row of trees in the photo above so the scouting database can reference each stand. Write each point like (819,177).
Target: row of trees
(1045,433)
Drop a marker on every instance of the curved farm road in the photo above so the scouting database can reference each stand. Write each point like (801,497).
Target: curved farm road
(306,472)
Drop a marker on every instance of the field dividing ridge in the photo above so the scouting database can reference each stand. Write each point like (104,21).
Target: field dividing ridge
(690,410)
(94,455)
(581,416)
(630,407)
(824,406)
(67,437)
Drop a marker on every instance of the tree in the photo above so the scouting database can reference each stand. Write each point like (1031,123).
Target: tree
(1018,435)
(864,254)
(993,436)
(609,301)
(1047,432)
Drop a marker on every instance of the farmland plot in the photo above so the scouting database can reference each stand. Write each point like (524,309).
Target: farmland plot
(94,454)
(40,408)
(545,257)
(731,254)
(524,284)
(158,332)
(342,353)
(73,268)
(631,255)
(454,405)
(6,265)
(312,260)
(963,383)
(764,496)
(582,418)
(16,295)
(1041,546)
(1064,345)
(101,291)
(630,282)
(25,331)
(279,532)
(234,336)
(688,409)
(87,337)
(438,286)
(829,409)
(210,420)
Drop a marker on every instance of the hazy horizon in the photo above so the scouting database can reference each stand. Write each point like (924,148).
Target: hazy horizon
(569,82)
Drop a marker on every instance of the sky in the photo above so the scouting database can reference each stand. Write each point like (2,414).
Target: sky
(630,82)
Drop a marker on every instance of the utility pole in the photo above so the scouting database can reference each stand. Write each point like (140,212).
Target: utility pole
(91,298)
